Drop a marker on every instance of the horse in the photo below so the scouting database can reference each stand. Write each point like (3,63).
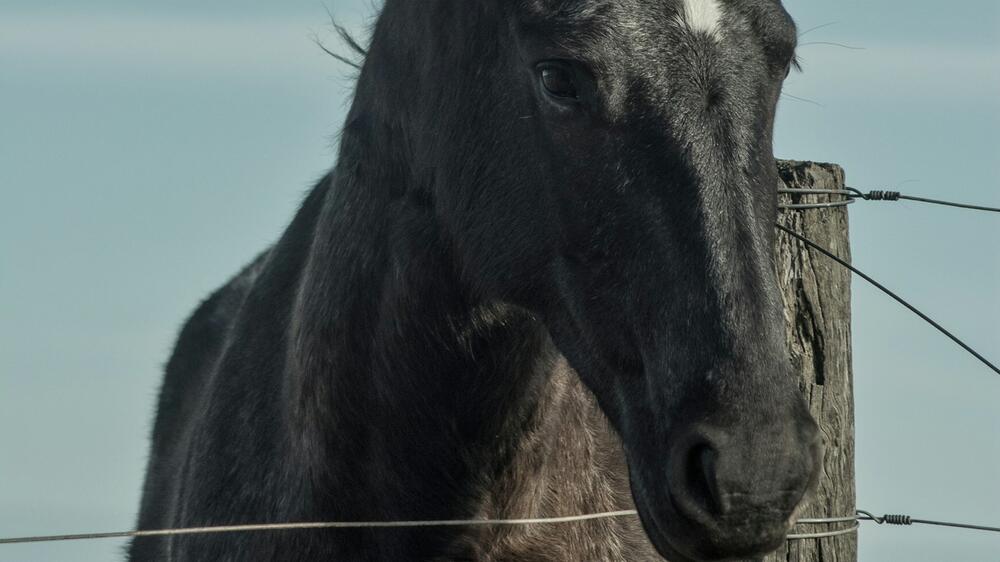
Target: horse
(538,281)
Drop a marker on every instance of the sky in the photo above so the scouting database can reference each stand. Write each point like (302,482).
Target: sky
(149,149)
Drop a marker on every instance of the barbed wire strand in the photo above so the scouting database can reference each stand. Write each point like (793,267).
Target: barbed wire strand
(895,297)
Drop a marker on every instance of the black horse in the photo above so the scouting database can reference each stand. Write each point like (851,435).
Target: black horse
(538,282)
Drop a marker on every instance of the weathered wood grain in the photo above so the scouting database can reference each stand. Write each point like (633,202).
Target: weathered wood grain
(817,295)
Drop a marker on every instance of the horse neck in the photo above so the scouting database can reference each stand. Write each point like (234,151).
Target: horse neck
(410,395)
(401,384)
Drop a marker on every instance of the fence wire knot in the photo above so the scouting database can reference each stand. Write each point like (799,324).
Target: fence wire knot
(887,519)
(882,196)
(896,520)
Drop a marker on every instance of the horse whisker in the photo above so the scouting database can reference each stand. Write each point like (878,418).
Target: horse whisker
(832,44)
(817,28)
(807,100)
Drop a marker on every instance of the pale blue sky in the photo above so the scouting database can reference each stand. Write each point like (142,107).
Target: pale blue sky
(148,150)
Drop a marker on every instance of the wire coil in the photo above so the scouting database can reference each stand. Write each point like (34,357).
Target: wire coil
(897,519)
(850,195)
(848,199)
(881,195)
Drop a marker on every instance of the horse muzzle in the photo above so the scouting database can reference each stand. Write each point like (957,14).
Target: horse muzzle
(731,491)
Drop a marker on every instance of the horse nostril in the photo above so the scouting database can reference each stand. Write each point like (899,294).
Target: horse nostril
(695,481)
(703,479)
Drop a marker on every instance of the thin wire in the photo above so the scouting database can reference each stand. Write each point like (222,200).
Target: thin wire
(804,536)
(386,524)
(907,520)
(812,191)
(825,520)
(802,206)
(950,204)
(860,516)
(877,195)
(324,525)
(848,199)
(956,525)
(885,290)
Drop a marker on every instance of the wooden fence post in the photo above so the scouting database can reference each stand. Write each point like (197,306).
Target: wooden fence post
(817,295)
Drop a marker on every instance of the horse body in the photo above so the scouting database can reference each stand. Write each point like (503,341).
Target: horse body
(499,213)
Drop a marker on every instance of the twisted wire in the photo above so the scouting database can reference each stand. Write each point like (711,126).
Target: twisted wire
(906,520)
(851,194)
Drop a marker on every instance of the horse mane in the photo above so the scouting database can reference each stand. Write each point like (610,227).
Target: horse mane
(355,58)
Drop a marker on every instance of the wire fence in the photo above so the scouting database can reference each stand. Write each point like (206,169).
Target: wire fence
(854,520)
(813,246)
(848,196)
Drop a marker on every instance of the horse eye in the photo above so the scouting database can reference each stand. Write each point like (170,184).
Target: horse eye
(558,81)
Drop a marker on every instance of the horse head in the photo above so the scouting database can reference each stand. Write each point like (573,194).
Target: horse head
(608,166)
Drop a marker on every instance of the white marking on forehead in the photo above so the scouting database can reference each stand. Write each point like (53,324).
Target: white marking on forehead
(703,16)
